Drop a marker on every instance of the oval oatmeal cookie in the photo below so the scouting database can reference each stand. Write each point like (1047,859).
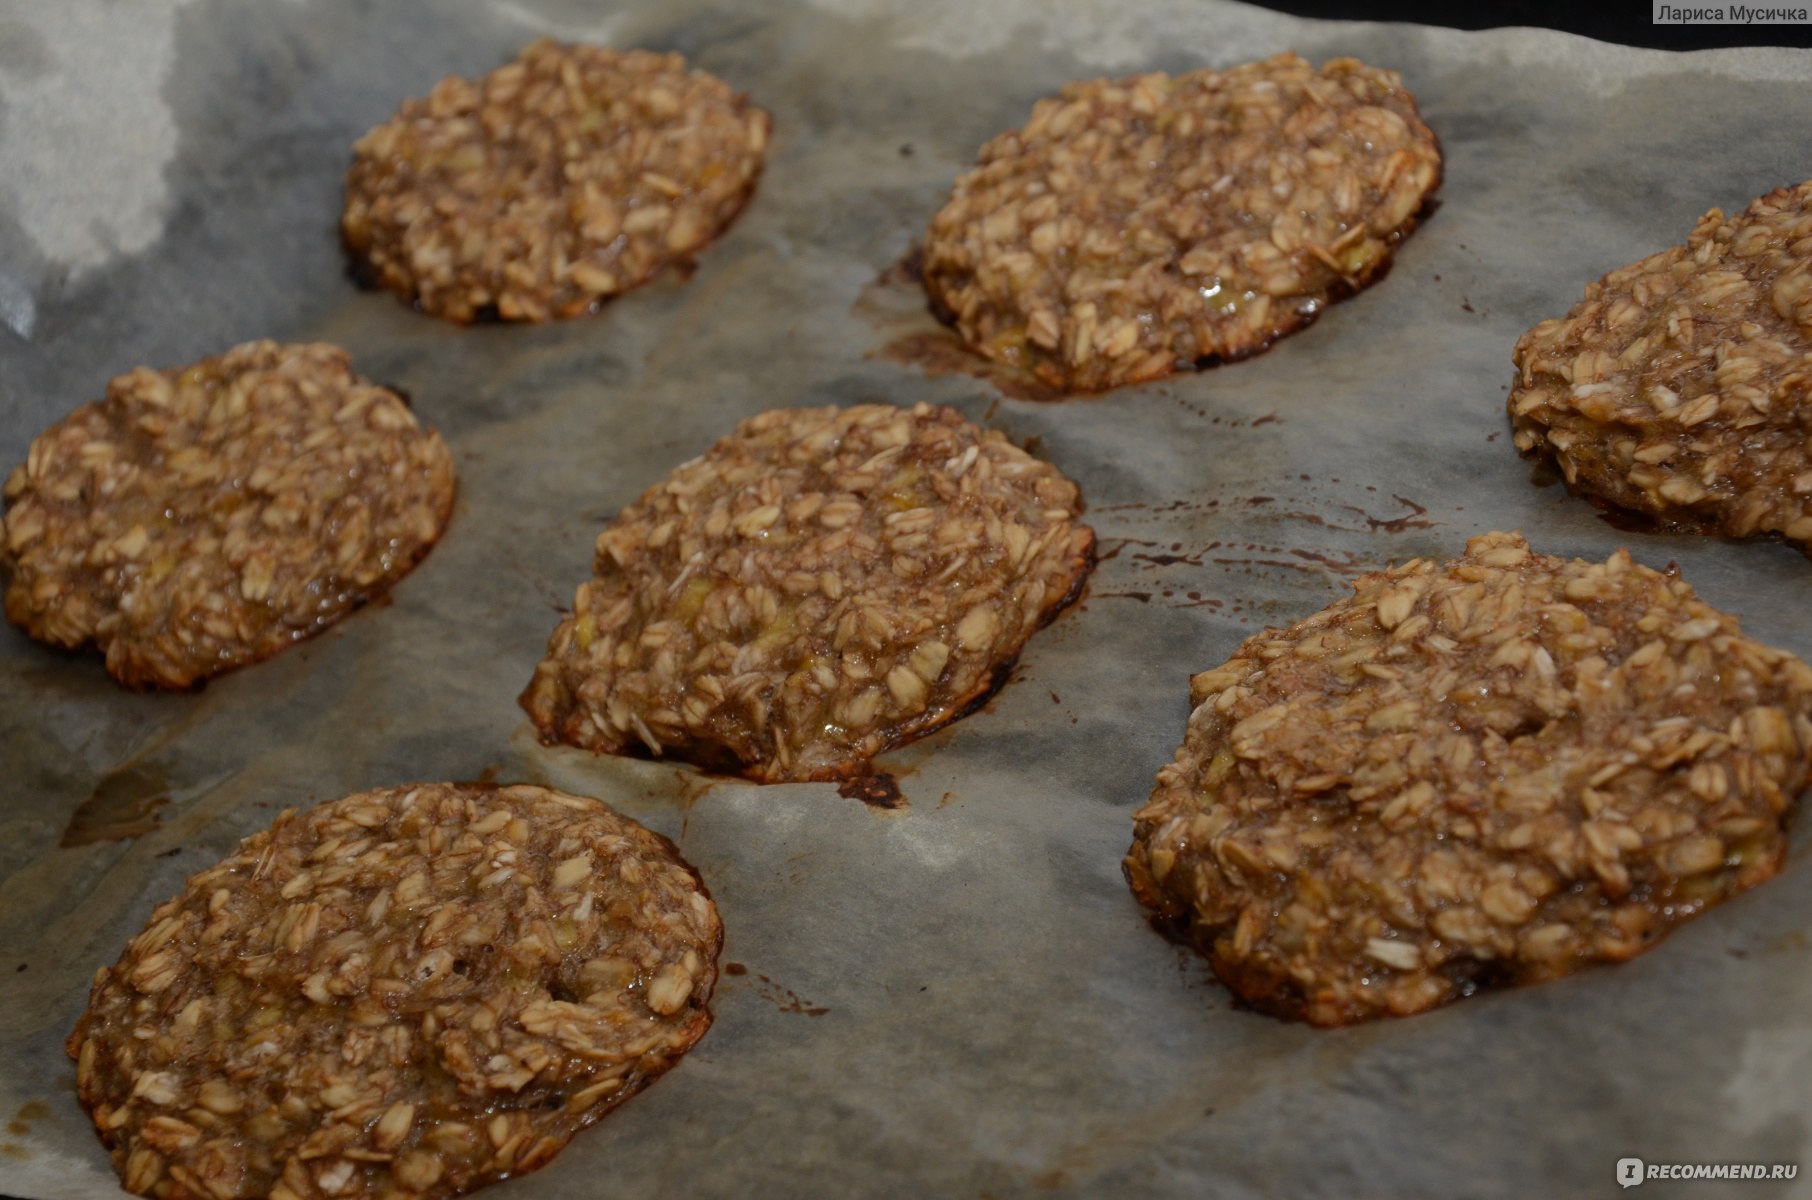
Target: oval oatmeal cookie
(1681,386)
(203,518)
(1145,225)
(1495,770)
(410,992)
(821,585)
(550,184)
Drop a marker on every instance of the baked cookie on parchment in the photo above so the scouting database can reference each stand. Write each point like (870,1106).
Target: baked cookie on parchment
(1146,225)
(819,586)
(1494,770)
(203,518)
(410,992)
(1681,386)
(551,184)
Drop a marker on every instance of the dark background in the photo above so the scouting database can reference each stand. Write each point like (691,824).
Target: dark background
(1618,21)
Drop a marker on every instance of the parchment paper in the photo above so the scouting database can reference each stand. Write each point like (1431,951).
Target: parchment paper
(960,998)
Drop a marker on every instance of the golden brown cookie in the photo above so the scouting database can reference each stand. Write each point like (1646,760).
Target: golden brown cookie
(1495,770)
(550,184)
(410,992)
(1141,226)
(1681,386)
(203,518)
(819,586)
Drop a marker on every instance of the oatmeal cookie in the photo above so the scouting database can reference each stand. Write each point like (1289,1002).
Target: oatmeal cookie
(410,992)
(821,585)
(1681,386)
(1142,226)
(551,184)
(200,519)
(1495,770)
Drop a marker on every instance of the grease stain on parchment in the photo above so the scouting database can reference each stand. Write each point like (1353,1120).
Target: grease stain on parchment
(1145,557)
(895,305)
(779,995)
(20,1127)
(877,789)
(124,805)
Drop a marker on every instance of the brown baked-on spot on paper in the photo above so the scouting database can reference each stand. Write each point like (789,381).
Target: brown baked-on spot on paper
(551,184)
(1141,226)
(410,992)
(1681,386)
(1494,770)
(203,518)
(819,586)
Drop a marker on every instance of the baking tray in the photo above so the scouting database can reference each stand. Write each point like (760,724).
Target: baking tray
(959,996)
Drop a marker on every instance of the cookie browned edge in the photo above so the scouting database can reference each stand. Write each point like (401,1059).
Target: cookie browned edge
(360,598)
(713,760)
